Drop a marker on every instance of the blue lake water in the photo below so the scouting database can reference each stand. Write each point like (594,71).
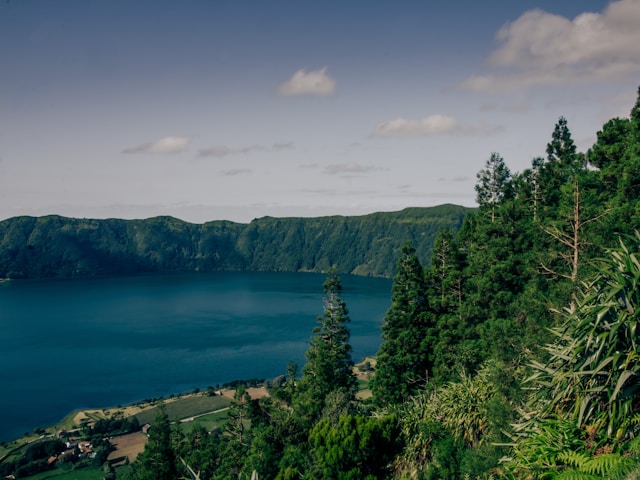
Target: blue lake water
(71,344)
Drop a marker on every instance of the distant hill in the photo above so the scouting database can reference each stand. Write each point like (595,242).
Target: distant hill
(54,246)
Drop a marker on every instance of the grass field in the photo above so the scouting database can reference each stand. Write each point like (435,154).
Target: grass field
(210,422)
(186,407)
(195,409)
(8,450)
(363,390)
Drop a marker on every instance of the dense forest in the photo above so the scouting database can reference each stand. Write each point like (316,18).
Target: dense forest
(512,353)
(54,246)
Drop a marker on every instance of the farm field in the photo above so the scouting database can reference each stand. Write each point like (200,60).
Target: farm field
(127,447)
(187,411)
(185,407)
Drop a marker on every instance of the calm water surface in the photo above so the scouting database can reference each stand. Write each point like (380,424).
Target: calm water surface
(102,342)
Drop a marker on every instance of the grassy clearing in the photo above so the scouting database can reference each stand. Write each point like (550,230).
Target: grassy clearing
(364,391)
(177,408)
(10,449)
(364,371)
(7,449)
(68,422)
(211,422)
(185,408)
(195,408)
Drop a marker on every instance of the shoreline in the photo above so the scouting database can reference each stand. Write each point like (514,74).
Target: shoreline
(73,419)
(72,422)
(160,337)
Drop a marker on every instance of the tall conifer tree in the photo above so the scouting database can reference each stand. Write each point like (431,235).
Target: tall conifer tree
(329,367)
(617,156)
(158,461)
(492,180)
(562,163)
(404,359)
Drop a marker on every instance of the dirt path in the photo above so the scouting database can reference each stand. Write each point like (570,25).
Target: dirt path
(191,419)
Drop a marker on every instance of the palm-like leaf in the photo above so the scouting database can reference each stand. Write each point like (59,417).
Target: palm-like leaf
(588,393)
(594,367)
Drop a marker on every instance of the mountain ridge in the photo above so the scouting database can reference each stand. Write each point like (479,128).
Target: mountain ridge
(53,246)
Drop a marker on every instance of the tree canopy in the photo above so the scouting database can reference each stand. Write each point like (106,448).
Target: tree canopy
(511,353)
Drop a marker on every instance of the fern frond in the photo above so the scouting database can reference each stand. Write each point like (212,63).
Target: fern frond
(633,420)
(611,465)
(608,465)
(633,447)
(574,459)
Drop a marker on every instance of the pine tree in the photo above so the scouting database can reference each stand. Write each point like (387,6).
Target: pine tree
(635,111)
(492,180)
(561,148)
(617,156)
(354,447)
(158,461)
(562,163)
(329,366)
(237,436)
(573,194)
(499,244)
(404,360)
(446,297)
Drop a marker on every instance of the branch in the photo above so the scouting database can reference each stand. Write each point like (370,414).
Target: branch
(549,271)
(560,236)
(597,217)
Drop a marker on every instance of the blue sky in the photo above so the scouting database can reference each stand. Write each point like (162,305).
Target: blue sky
(206,109)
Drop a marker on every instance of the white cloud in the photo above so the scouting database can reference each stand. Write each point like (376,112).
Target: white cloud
(426,127)
(432,125)
(540,48)
(164,145)
(316,82)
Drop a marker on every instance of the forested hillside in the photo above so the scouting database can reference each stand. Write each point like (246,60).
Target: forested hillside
(54,246)
(512,353)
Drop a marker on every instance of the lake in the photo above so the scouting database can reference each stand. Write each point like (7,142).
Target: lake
(92,343)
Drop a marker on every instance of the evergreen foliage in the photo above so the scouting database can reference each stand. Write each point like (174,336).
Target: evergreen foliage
(328,382)
(158,461)
(492,180)
(541,283)
(404,361)
(355,448)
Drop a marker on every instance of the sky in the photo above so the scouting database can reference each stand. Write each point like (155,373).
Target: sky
(214,109)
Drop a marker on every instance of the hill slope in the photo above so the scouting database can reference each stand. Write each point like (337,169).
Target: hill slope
(54,246)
